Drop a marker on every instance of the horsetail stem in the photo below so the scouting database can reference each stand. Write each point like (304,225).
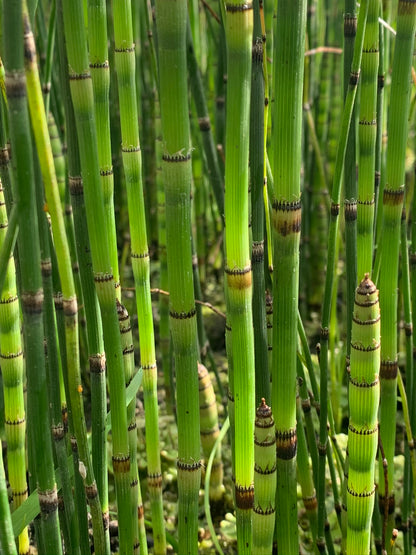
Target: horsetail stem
(367,134)
(41,461)
(132,162)
(11,356)
(364,397)
(392,209)
(177,174)
(239,29)
(286,167)
(264,480)
(332,249)
(82,97)
(137,520)
(69,299)
(100,74)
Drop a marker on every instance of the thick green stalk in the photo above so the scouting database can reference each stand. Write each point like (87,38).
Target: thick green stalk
(238,29)
(392,208)
(264,480)
(31,281)
(367,134)
(286,166)
(100,74)
(364,397)
(82,97)
(329,281)
(177,173)
(11,356)
(7,543)
(257,172)
(130,147)
(70,305)
(96,357)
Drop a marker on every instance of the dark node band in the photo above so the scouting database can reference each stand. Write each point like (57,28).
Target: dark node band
(264,512)
(125,50)
(244,497)
(388,369)
(366,322)
(106,173)
(363,493)
(154,480)
(334,209)
(182,315)
(79,76)
(188,467)
(121,463)
(100,65)
(103,278)
(140,255)
(363,432)
(129,149)
(76,186)
(354,77)
(393,196)
(350,210)
(204,123)
(350,25)
(286,444)
(365,348)
(32,303)
(233,8)
(91,491)
(176,157)
(97,363)
(355,382)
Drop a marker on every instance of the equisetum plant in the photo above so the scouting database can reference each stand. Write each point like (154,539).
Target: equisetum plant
(207,277)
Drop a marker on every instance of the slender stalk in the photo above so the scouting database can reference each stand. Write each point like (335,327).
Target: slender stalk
(31,281)
(130,147)
(238,29)
(7,543)
(213,169)
(304,473)
(100,74)
(286,167)
(367,135)
(392,208)
(257,158)
(137,515)
(264,480)
(177,173)
(364,397)
(68,518)
(70,305)
(350,172)
(82,97)
(11,356)
(332,247)
(408,330)
(96,357)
